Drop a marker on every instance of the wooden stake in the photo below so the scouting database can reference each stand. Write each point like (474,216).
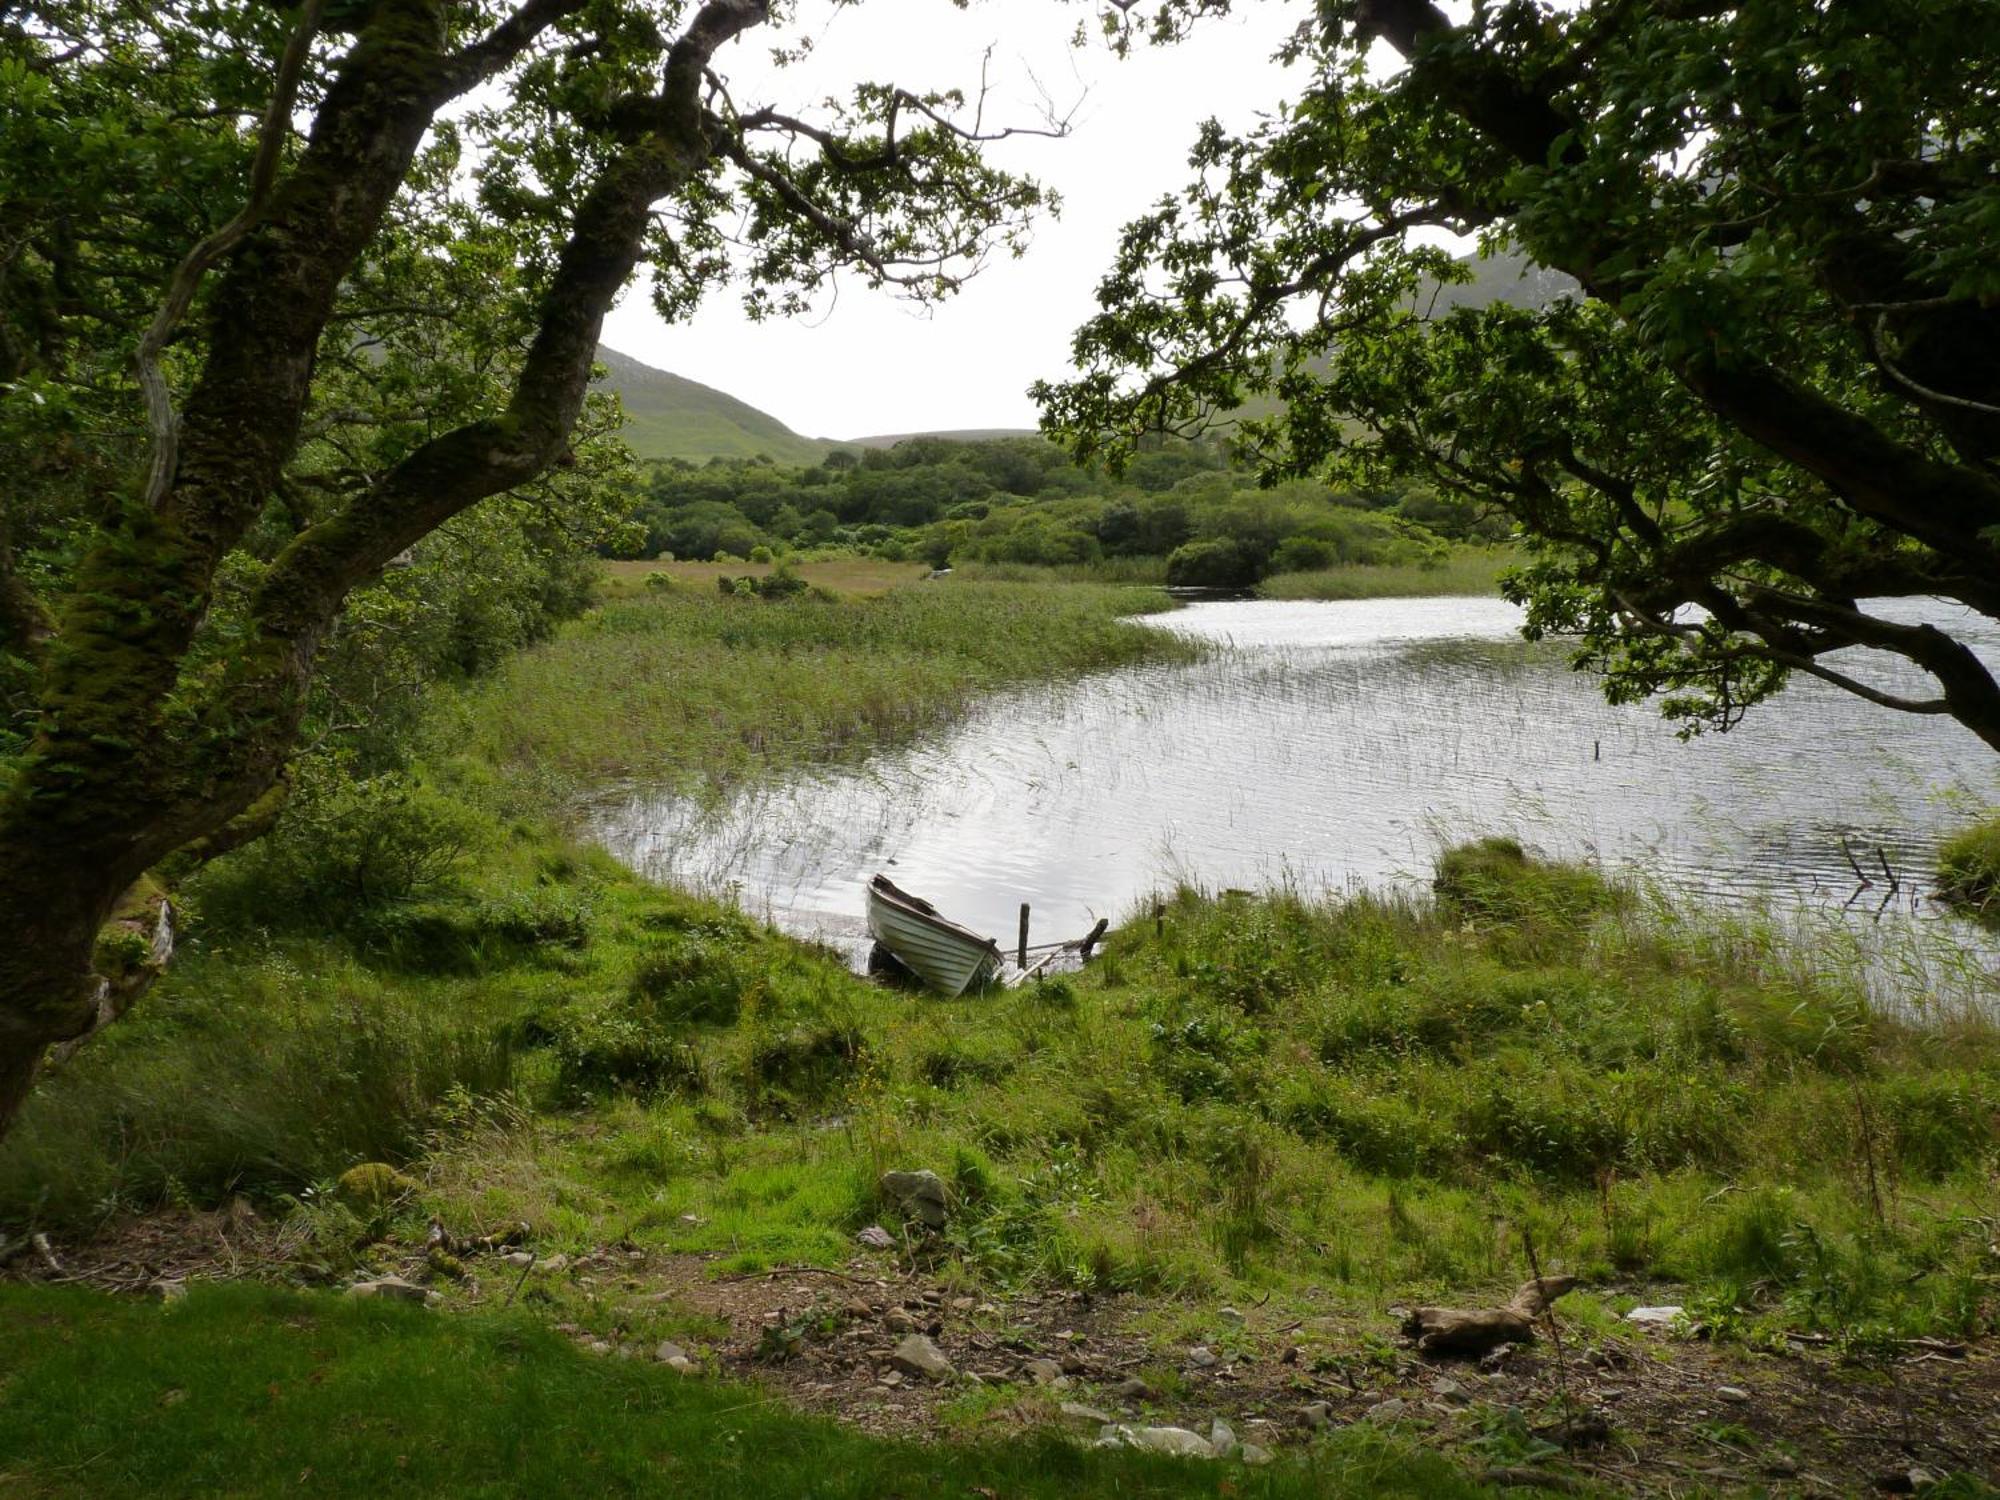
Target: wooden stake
(1021,947)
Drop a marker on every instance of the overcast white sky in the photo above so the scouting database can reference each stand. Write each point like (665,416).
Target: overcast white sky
(869,363)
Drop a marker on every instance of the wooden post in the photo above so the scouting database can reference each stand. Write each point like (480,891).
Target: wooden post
(1091,938)
(1021,948)
(1159,918)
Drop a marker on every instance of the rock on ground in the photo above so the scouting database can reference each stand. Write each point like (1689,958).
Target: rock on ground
(919,1356)
(920,1195)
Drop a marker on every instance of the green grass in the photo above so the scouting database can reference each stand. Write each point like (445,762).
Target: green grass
(247,1391)
(1465,571)
(1376,1099)
(1969,869)
(683,687)
(669,416)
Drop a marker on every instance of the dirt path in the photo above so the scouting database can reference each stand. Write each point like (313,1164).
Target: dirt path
(1643,1412)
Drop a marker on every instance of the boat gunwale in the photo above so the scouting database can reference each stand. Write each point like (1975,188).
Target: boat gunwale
(883,889)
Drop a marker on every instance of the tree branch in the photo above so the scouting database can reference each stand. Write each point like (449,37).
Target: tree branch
(276,129)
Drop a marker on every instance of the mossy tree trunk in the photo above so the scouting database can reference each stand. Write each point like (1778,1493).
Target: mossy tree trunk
(135,754)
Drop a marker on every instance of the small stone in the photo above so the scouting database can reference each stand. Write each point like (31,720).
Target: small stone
(1388,1411)
(856,1308)
(1251,1453)
(898,1321)
(1076,1411)
(1654,1317)
(1175,1440)
(682,1366)
(668,1352)
(1452,1391)
(920,1356)
(598,1346)
(1042,1371)
(1201,1357)
(892,1378)
(555,1263)
(1291,1355)
(920,1195)
(1230,1317)
(520,1260)
(1132,1388)
(1317,1414)
(875,1237)
(963,1304)
(1732,1393)
(390,1289)
(694,1221)
(1222,1438)
(166,1289)
(1782,1467)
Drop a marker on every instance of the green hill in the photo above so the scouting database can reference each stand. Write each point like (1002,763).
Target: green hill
(956,435)
(667,416)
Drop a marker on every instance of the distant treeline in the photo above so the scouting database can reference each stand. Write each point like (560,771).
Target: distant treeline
(1020,500)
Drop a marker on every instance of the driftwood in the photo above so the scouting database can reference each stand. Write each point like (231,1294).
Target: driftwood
(1475,1331)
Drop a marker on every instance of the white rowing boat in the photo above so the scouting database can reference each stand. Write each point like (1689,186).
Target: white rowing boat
(944,955)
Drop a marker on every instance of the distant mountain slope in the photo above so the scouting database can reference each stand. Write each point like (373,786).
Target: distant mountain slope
(956,435)
(671,417)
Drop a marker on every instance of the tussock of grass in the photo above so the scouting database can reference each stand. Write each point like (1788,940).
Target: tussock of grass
(246,1391)
(1969,868)
(1465,571)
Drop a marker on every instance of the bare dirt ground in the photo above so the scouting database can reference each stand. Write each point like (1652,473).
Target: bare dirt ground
(1640,1412)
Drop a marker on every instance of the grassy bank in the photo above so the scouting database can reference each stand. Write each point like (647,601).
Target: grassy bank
(683,687)
(302,1028)
(245,1391)
(1384,1099)
(1466,570)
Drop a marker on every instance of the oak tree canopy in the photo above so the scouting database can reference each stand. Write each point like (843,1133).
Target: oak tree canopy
(285,289)
(1763,428)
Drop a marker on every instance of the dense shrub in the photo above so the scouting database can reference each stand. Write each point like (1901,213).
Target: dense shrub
(344,847)
(1302,554)
(1213,563)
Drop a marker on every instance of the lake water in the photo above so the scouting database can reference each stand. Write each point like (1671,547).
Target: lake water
(1327,745)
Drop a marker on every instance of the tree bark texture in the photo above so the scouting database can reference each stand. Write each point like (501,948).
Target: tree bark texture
(126,766)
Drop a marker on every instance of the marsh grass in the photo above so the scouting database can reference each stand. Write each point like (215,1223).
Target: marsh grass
(245,1390)
(1465,570)
(692,690)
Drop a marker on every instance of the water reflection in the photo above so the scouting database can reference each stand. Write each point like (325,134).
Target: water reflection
(1325,745)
